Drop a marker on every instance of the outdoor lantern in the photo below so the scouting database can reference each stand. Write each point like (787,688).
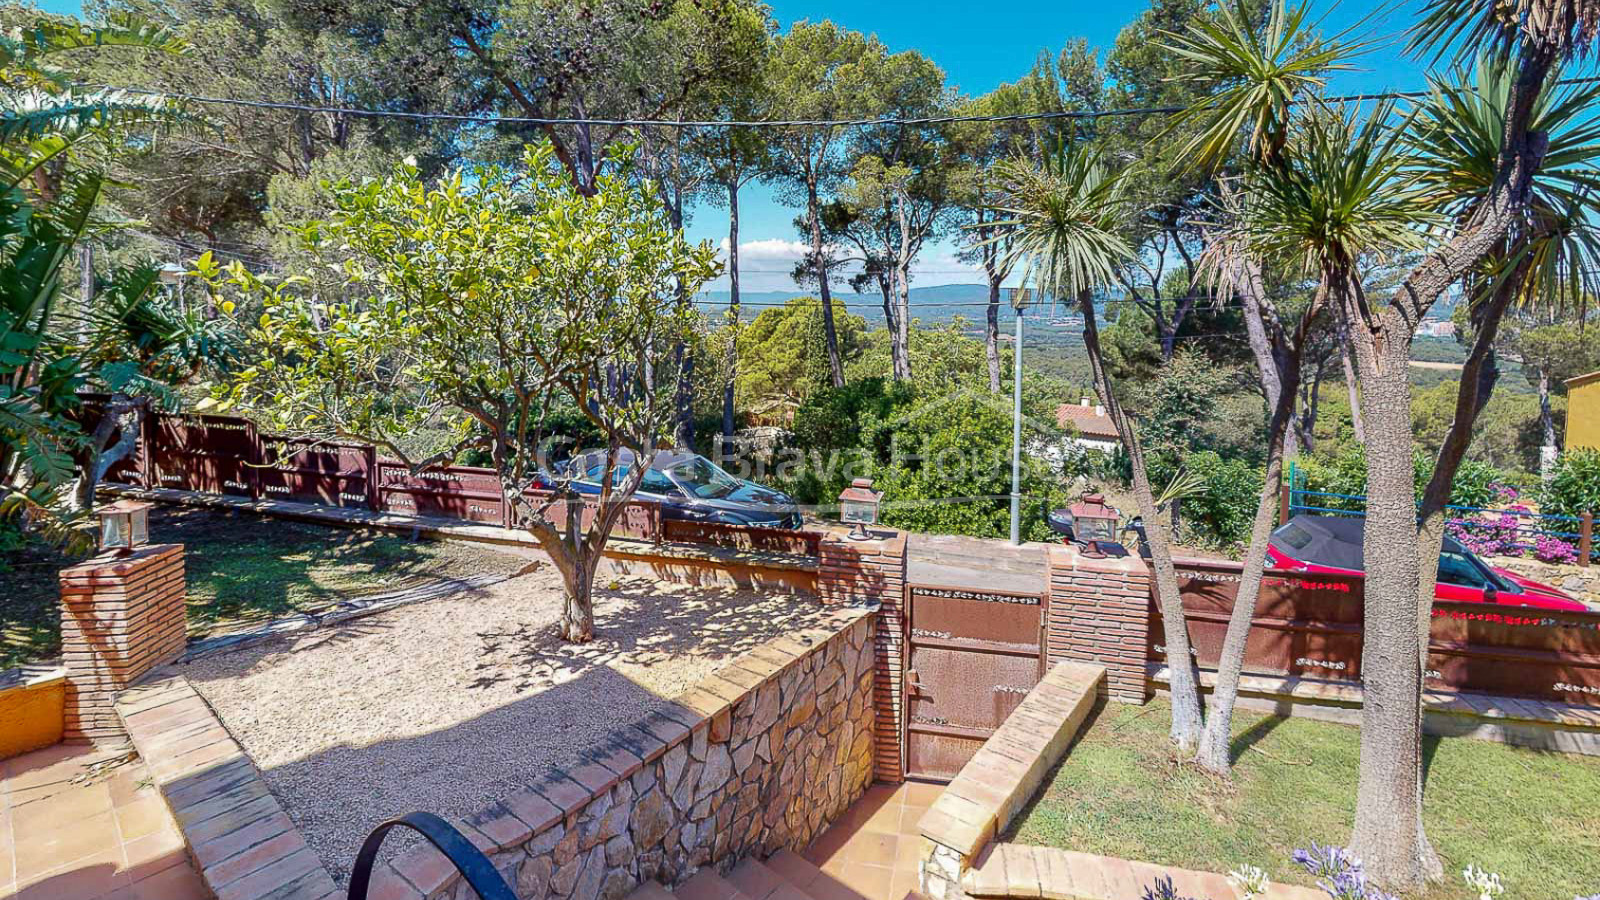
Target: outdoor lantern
(1093,521)
(124,525)
(858,505)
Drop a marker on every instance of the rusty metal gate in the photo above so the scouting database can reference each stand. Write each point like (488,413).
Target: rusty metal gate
(972,655)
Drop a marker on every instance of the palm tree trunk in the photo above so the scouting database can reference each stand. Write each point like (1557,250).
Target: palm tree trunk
(1183,680)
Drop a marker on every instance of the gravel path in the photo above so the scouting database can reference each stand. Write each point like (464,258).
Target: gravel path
(449,705)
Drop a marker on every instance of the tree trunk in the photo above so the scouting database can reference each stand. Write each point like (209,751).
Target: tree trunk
(733,312)
(1216,741)
(1353,387)
(1388,833)
(1183,680)
(830,336)
(1547,421)
(903,329)
(991,334)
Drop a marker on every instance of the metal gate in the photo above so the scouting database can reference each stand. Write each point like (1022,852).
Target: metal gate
(972,656)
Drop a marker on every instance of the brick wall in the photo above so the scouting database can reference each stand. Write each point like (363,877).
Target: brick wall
(875,572)
(1100,612)
(121,616)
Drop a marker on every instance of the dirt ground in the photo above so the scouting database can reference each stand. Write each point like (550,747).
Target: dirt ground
(448,705)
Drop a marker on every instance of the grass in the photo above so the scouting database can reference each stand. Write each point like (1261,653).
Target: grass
(1530,815)
(242,569)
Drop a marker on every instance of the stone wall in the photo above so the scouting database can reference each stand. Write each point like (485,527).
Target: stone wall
(1100,613)
(121,616)
(759,757)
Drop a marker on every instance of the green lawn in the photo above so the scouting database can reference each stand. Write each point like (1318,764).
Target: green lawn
(243,568)
(1532,816)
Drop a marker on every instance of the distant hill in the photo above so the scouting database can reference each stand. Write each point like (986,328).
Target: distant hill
(870,306)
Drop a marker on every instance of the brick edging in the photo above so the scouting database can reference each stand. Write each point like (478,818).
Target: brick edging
(238,836)
(1051,873)
(1001,777)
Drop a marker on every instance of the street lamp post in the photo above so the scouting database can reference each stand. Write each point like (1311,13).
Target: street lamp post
(1020,298)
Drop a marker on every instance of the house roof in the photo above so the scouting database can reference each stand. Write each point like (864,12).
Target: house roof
(1581,380)
(1091,421)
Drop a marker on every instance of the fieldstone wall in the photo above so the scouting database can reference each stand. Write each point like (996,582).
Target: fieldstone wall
(759,757)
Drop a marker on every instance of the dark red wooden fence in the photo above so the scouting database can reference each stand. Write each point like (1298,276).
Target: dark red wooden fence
(1310,625)
(229,456)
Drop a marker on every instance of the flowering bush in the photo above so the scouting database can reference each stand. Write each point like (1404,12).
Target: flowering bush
(1249,881)
(1338,873)
(1488,535)
(1554,550)
(1163,889)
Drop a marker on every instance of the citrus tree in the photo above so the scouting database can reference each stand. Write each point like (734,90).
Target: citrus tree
(475,308)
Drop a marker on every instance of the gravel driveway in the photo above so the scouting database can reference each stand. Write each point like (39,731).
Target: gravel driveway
(449,705)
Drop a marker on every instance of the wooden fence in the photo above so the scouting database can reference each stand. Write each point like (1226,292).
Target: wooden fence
(1310,625)
(229,456)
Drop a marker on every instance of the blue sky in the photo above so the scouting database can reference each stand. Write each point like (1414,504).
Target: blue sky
(979,51)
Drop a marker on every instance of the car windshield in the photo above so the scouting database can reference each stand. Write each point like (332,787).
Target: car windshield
(701,478)
(654,482)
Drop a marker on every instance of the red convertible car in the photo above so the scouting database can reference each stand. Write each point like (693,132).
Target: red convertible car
(1332,544)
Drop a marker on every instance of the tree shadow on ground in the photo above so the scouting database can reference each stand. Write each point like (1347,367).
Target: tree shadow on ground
(645,623)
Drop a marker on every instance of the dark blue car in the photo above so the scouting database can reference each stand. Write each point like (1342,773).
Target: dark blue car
(692,488)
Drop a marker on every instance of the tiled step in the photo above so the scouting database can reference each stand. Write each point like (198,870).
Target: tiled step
(708,885)
(650,890)
(760,882)
(795,870)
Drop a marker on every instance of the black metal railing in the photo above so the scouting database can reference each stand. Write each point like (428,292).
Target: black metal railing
(469,860)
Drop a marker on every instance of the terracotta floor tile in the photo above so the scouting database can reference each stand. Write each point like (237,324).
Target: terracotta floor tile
(142,816)
(39,852)
(872,848)
(871,882)
(921,793)
(175,883)
(885,819)
(70,805)
(85,879)
(902,883)
(825,847)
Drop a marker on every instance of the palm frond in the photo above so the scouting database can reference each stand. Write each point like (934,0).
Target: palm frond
(25,54)
(1345,190)
(1064,222)
(1457,131)
(34,114)
(1463,29)
(43,511)
(1258,73)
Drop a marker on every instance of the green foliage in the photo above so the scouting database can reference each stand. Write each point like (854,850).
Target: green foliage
(454,322)
(1345,472)
(1574,486)
(1220,507)
(783,357)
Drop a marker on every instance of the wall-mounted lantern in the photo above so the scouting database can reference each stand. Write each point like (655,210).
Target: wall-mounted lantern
(1094,521)
(858,505)
(124,525)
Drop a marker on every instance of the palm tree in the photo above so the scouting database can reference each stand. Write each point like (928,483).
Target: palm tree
(1530,38)
(1063,220)
(49,189)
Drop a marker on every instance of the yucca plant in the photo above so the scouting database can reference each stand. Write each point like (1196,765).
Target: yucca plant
(1064,222)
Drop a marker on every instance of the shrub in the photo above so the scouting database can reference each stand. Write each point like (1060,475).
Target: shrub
(1574,486)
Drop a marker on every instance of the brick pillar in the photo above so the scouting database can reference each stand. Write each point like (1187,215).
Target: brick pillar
(875,572)
(121,616)
(1100,612)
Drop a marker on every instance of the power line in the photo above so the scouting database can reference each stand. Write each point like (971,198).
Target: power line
(494,119)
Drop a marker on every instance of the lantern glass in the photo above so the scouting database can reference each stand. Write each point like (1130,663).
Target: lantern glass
(1089,528)
(124,525)
(116,531)
(858,512)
